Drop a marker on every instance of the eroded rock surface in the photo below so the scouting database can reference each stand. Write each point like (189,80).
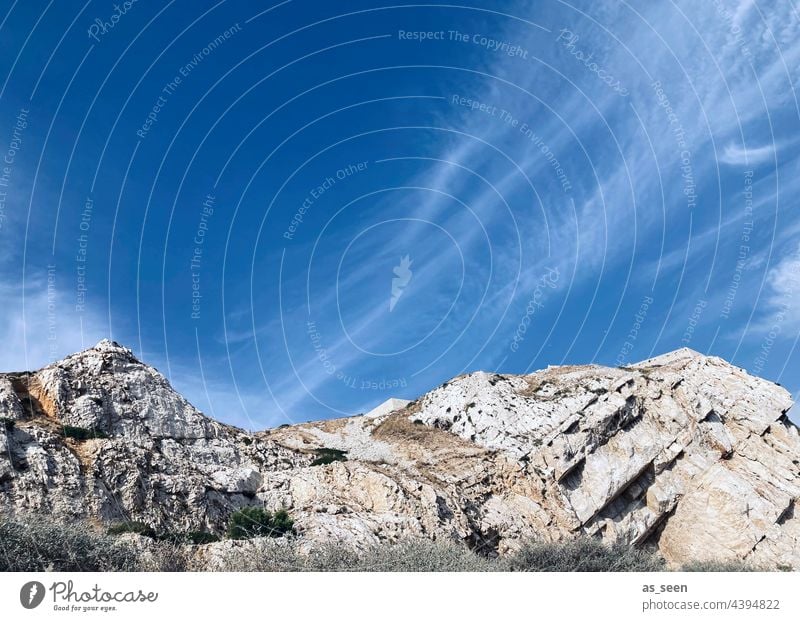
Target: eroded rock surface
(684,453)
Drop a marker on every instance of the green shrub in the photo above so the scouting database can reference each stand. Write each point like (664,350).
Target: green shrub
(583,554)
(252,522)
(192,537)
(7,423)
(138,528)
(200,537)
(328,456)
(79,433)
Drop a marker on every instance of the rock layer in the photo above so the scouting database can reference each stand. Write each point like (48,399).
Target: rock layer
(684,453)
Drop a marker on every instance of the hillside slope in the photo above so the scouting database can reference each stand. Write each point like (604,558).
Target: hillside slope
(683,453)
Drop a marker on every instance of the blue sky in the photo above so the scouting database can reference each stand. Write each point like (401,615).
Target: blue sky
(298,210)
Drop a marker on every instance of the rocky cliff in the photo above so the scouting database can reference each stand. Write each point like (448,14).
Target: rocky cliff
(683,453)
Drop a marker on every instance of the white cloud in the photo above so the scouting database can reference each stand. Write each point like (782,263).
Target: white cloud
(739,156)
(39,325)
(783,297)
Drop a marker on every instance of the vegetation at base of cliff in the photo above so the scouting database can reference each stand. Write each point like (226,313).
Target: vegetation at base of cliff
(192,537)
(137,528)
(727,566)
(424,555)
(328,456)
(37,544)
(583,554)
(251,522)
(245,523)
(7,423)
(80,433)
(415,555)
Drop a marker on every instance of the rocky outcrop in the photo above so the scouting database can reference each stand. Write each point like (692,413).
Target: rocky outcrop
(154,457)
(683,453)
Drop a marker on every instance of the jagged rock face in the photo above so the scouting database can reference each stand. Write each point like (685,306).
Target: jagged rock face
(683,452)
(158,459)
(107,389)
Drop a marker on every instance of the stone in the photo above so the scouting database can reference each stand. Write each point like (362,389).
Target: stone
(683,453)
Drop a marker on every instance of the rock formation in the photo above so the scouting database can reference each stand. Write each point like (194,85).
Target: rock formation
(684,453)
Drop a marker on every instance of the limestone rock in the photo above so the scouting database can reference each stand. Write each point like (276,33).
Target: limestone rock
(683,453)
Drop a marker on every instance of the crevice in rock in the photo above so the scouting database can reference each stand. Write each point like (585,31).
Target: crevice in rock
(651,536)
(755,545)
(484,543)
(443,511)
(638,487)
(788,513)
(635,487)
(573,427)
(624,419)
(572,477)
(629,382)
(787,422)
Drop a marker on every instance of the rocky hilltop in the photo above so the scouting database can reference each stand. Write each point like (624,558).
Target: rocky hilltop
(683,453)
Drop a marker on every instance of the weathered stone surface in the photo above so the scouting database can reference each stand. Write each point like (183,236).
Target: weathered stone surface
(684,453)
(10,406)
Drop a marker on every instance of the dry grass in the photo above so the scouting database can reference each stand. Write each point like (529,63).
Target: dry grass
(583,554)
(36,544)
(408,556)
(397,428)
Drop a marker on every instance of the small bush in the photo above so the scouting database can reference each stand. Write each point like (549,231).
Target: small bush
(200,537)
(726,566)
(38,545)
(422,555)
(7,423)
(407,555)
(252,522)
(584,554)
(328,456)
(79,433)
(192,537)
(137,528)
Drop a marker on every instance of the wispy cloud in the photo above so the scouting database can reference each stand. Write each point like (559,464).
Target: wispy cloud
(736,155)
(38,324)
(783,297)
